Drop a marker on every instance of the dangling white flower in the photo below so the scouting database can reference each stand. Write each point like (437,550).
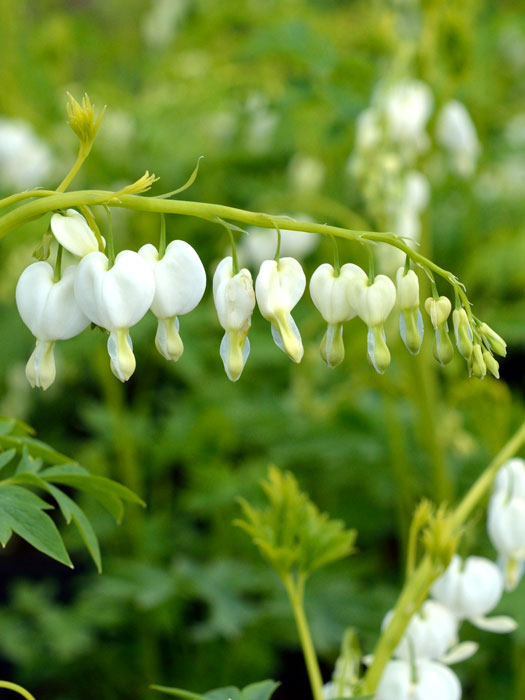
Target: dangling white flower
(506,520)
(373,303)
(50,311)
(421,680)
(115,298)
(408,105)
(432,631)
(410,320)
(72,231)
(235,301)
(180,281)
(278,287)
(470,589)
(439,310)
(331,295)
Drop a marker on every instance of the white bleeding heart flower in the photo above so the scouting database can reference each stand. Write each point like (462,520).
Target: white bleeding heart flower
(235,301)
(373,303)
(470,589)
(73,233)
(421,680)
(506,520)
(439,310)
(50,311)
(115,298)
(330,293)
(456,132)
(410,320)
(180,281)
(430,634)
(278,287)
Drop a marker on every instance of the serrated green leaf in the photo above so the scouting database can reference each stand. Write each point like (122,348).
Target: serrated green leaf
(22,512)
(69,468)
(28,464)
(6,457)
(6,425)
(178,692)
(92,484)
(263,690)
(5,533)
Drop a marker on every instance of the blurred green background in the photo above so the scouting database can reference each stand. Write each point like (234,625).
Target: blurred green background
(270,93)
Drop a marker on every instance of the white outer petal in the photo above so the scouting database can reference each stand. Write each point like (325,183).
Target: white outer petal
(434,682)
(511,478)
(506,525)
(331,294)
(118,297)
(374,302)
(233,296)
(72,231)
(471,590)
(279,286)
(180,279)
(48,308)
(407,289)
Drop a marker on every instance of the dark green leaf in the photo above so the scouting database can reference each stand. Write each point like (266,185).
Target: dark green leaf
(22,512)
(28,464)
(5,532)
(6,457)
(259,691)
(35,447)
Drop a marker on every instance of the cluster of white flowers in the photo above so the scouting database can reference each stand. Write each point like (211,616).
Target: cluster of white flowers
(468,590)
(390,139)
(115,295)
(25,160)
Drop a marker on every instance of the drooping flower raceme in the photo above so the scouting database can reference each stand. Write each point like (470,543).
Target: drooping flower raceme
(72,231)
(373,303)
(432,631)
(115,298)
(50,311)
(439,310)
(331,295)
(278,287)
(470,589)
(180,281)
(235,301)
(410,321)
(421,680)
(506,520)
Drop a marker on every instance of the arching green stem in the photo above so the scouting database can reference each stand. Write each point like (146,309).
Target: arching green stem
(17,689)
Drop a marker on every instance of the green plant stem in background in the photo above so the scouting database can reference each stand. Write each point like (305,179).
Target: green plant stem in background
(295,590)
(211,212)
(17,689)
(418,585)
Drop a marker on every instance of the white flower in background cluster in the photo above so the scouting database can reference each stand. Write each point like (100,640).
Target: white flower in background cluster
(259,243)
(235,301)
(180,281)
(456,132)
(306,173)
(115,299)
(25,160)
(278,287)
(420,680)
(373,304)
(506,520)
(50,311)
(410,319)
(407,107)
(471,588)
(161,22)
(262,122)
(331,293)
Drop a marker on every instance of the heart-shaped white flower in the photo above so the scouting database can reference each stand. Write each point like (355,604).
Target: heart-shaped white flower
(278,287)
(50,311)
(115,298)
(180,281)
(235,301)
(410,320)
(422,680)
(330,293)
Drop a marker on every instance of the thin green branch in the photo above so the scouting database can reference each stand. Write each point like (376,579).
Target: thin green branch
(17,689)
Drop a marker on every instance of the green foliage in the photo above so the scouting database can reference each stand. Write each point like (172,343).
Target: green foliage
(23,512)
(291,533)
(255,691)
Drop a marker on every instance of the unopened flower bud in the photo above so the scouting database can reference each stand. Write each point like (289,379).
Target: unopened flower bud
(478,367)
(496,342)
(491,363)
(410,320)
(463,332)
